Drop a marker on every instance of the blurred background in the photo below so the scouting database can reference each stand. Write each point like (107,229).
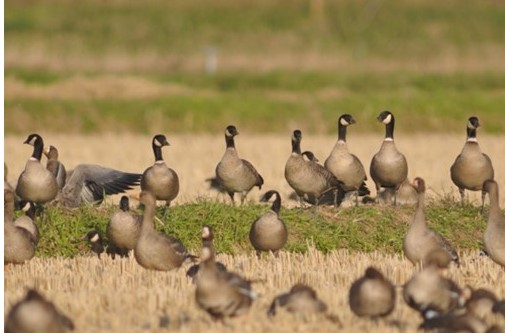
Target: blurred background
(178,66)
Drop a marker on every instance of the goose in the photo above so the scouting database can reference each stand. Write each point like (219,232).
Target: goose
(236,174)
(494,234)
(471,167)
(19,243)
(372,295)
(221,293)
(309,156)
(27,221)
(345,166)
(301,300)
(406,195)
(268,232)
(55,166)
(155,250)
(36,183)
(123,229)
(159,179)
(35,314)
(207,240)
(481,302)
(388,167)
(420,240)
(307,177)
(428,291)
(96,240)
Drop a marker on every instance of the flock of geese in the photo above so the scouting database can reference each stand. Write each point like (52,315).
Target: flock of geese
(442,304)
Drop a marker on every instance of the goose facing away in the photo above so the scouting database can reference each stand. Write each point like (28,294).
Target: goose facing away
(123,229)
(36,183)
(155,250)
(300,300)
(388,167)
(236,174)
(36,314)
(345,166)
(268,232)
(307,177)
(420,240)
(372,295)
(494,235)
(471,167)
(159,179)
(55,166)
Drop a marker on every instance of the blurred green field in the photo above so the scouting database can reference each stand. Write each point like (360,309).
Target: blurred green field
(94,66)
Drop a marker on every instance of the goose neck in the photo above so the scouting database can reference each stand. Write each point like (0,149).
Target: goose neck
(148,217)
(230,141)
(295,147)
(158,156)
(390,128)
(342,132)
(38,147)
(276,205)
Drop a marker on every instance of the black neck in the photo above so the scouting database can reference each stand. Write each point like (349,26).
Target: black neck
(471,133)
(342,130)
(390,128)
(295,144)
(157,153)
(230,141)
(276,206)
(38,146)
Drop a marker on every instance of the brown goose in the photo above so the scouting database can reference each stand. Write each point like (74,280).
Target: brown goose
(159,179)
(233,173)
(155,250)
(300,300)
(345,166)
(472,167)
(420,240)
(405,195)
(221,293)
(35,314)
(207,241)
(307,177)
(268,232)
(123,229)
(55,166)
(494,235)
(36,183)
(388,167)
(19,244)
(372,295)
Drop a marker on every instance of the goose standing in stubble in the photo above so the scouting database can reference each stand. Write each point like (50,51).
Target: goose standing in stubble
(472,167)
(345,166)
(388,167)
(236,174)
(36,183)
(420,240)
(307,177)
(268,232)
(123,229)
(494,236)
(300,300)
(159,179)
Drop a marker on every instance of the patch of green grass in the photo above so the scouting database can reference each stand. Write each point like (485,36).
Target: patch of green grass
(364,229)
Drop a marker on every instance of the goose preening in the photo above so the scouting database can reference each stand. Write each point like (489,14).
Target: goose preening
(420,240)
(36,183)
(300,300)
(307,177)
(159,179)
(233,173)
(494,235)
(96,241)
(372,295)
(345,166)
(123,229)
(388,167)
(268,232)
(35,314)
(472,167)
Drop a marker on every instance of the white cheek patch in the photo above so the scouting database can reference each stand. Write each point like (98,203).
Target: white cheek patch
(227,133)
(95,238)
(157,143)
(387,120)
(470,125)
(344,122)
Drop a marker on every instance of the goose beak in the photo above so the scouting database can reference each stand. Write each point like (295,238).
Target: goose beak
(46,151)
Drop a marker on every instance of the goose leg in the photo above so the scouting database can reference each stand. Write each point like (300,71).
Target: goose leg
(462,194)
(232,194)
(242,197)
(483,199)
(300,198)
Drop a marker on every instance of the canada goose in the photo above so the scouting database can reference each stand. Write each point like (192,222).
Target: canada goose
(388,167)
(428,291)
(372,295)
(345,166)
(472,167)
(35,314)
(235,174)
(301,299)
(268,232)
(159,179)
(36,183)
(19,244)
(495,229)
(207,240)
(420,240)
(95,239)
(309,156)
(221,294)
(123,228)
(406,195)
(155,250)
(307,177)
(55,166)
(455,322)
(27,221)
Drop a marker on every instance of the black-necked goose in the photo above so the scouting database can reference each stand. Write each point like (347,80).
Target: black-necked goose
(494,235)
(236,174)
(300,300)
(388,167)
(471,167)
(159,179)
(268,232)
(36,183)
(96,241)
(123,229)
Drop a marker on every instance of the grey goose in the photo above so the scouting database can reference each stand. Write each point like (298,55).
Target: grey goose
(300,300)
(494,235)
(123,229)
